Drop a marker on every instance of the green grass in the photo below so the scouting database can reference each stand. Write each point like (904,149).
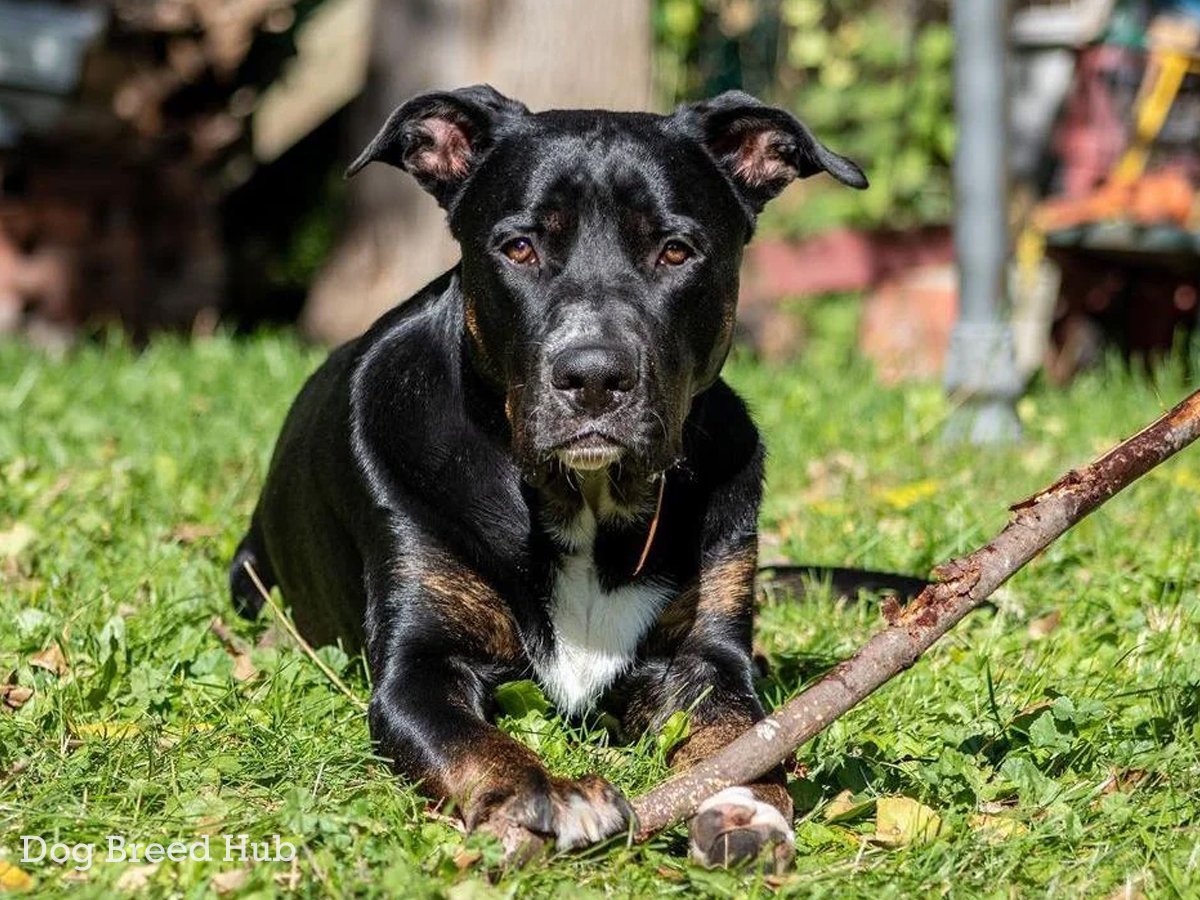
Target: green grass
(126,479)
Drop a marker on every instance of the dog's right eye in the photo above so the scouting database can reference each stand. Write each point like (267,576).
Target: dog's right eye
(674,253)
(520,251)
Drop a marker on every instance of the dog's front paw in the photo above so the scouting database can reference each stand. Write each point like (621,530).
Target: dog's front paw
(586,811)
(732,827)
(571,813)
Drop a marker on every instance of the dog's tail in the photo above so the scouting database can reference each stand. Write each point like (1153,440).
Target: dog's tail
(842,582)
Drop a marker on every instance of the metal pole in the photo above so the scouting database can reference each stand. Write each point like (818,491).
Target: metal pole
(981,371)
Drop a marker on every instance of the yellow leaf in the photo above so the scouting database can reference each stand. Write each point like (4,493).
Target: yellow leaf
(844,808)
(906,495)
(996,828)
(13,879)
(900,821)
(106,730)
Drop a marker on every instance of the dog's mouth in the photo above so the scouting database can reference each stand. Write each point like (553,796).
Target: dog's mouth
(589,451)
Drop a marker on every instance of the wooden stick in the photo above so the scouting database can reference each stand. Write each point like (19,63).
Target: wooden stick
(962,585)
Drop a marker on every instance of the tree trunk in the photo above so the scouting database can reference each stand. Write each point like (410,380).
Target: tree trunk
(547,53)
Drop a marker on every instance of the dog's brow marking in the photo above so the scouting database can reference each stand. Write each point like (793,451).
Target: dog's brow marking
(596,632)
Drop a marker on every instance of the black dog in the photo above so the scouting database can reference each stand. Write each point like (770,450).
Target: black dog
(532,467)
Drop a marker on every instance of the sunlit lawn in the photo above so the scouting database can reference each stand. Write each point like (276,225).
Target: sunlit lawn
(1056,735)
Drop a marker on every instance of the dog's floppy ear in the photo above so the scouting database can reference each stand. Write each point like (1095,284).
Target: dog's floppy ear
(440,137)
(763,148)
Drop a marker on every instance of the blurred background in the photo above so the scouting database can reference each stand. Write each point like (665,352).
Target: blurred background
(176,164)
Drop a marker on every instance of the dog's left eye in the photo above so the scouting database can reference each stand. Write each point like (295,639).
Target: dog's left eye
(674,253)
(520,251)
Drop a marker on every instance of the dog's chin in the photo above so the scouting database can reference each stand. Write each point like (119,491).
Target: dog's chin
(579,451)
(589,453)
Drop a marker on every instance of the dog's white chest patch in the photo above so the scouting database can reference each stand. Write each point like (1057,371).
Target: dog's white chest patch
(596,632)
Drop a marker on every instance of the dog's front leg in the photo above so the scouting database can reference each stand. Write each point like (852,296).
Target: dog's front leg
(702,663)
(428,714)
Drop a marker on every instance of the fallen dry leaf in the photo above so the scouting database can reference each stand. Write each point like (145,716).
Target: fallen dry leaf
(900,821)
(13,879)
(228,882)
(15,769)
(190,532)
(1025,717)
(14,696)
(844,808)
(52,660)
(465,858)
(996,828)
(1042,626)
(274,636)
(135,878)
(243,669)
(994,807)
(1124,781)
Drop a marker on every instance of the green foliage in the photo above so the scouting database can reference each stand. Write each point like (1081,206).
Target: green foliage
(1078,739)
(872,79)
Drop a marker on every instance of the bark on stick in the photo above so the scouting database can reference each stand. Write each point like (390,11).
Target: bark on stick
(961,585)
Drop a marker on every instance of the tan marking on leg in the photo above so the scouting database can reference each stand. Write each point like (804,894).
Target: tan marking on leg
(727,587)
(724,588)
(467,603)
(677,616)
(489,767)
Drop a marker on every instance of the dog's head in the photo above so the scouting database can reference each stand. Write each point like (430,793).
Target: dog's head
(600,255)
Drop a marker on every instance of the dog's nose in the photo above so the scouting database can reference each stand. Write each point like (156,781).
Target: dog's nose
(595,377)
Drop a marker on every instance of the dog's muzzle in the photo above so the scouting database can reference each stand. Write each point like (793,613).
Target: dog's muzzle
(592,383)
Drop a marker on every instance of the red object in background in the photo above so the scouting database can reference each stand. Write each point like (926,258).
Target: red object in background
(1092,130)
(835,262)
(906,323)
(840,260)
